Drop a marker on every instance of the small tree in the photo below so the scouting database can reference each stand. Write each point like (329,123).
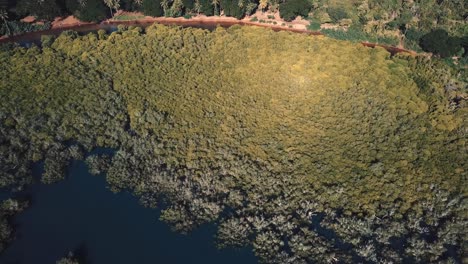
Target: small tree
(439,42)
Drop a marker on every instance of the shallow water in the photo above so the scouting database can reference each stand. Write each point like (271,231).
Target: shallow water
(81,214)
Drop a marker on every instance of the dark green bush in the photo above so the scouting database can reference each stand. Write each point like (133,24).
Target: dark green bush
(440,43)
(207,8)
(337,13)
(94,10)
(314,25)
(45,9)
(231,8)
(188,5)
(152,8)
(18,27)
(289,10)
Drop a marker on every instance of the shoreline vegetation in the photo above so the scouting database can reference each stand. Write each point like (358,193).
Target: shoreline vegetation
(437,28)
(296,26)
(309,150)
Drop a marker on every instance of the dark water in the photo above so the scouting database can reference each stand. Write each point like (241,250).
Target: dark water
(81,214)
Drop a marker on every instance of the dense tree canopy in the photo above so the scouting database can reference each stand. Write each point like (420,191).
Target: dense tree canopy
(276,143)
(94,10)
(292,8)
(439,42)
(152,8)
(46,9)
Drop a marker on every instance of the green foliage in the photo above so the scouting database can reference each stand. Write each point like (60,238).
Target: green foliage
(152,8)
(72,6)
(127,17)
(292,8)
(93,11)
(130,5)
(412,38)
(337,13)
(188,5)
(47,40)
(45,9)
(357,35)
(18,27)
(206,7)
(375,145)
(231,8)
(314,25)
(439,42)
(98,164)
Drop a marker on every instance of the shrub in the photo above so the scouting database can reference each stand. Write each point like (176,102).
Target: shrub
(289,10)
(314,25)
(439,42)
(45,9)
(18,27)
(412,38)
(207,8)
(93,11)
(254,19)
(232,9)
(188,5)
(337,13)
(152,8)
(47,40)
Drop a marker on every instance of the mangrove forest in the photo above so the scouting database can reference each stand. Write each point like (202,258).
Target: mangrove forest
(306,149)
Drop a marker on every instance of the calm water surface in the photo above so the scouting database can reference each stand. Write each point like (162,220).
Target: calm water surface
(81,214)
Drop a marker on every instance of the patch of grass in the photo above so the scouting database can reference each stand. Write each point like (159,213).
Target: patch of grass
(128,17)
(314,25)
(357,35)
